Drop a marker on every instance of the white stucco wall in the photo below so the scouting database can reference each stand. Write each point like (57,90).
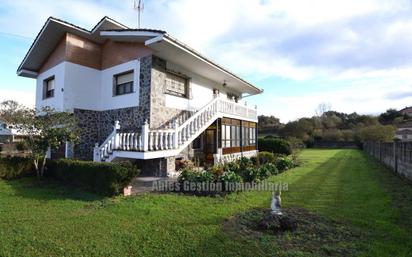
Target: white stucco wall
(202,91)
(108,101)
(77,86)
(57,100)
(82,87)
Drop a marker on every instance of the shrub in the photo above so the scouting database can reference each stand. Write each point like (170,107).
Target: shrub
(244,163)
(284,163)
(230,177)
(102,178)
(195,176)
(216,170)
(266,157)
(296,143)
(15,167)
(232,166)
(250,174)
(263,172)
(183,164)
(273,170)
(278,146)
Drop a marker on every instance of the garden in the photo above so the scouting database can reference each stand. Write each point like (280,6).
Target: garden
(345,203)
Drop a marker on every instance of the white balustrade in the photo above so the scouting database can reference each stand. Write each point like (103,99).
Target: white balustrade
(182,130)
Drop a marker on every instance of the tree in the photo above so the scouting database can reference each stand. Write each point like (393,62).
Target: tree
(322,108)
(379,133)
(391,116)
(44,129)
(269,124)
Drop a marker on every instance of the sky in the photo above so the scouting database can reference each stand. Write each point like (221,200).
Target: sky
(355,55)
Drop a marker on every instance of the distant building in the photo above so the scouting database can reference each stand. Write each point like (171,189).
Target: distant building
(407,111)
(404,131)
(9,134)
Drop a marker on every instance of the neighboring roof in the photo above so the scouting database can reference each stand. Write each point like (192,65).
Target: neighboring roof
(406,110)
(164,45)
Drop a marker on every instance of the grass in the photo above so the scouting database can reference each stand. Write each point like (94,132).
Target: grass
(342,185)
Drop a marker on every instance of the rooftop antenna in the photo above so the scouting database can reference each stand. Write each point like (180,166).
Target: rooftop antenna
(138,6)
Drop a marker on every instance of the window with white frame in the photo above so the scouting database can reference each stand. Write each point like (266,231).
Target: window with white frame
(123,83)
(48,87)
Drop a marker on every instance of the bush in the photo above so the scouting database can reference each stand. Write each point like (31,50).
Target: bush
(273,170)
(284,163)
(230,177)
(263,172)
(15,167)
(278,146)
(250,174)
(296,143)
(101,178)
(184,164)
(266,157)
(195,176)
(216,170)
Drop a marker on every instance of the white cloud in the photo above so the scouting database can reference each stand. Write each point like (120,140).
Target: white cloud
(24,97)
(365,44)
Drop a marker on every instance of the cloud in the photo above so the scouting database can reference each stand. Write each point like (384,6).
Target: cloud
(362,44)
(24,97)
(399,95)
(362,97)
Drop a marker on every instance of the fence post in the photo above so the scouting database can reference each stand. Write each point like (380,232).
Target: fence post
(395,157)
(380,151)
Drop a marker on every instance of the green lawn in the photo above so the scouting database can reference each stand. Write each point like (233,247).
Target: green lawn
(343,185)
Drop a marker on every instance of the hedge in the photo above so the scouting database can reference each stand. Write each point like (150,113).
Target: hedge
(102,178)
(15,167)
(277,146)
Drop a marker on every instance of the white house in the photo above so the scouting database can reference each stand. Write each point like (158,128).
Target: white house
(141,94)
(8,133)
(404,131)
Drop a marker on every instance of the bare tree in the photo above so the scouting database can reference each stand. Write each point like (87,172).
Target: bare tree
(322,108)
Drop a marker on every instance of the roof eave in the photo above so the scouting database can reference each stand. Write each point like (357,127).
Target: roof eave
(67,24)
(183,46)
(27,73)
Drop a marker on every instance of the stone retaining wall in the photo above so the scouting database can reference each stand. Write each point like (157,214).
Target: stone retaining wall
(395,155)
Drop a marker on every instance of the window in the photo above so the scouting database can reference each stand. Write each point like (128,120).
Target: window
(252,136)
(48,88)
(226,136)
(176,84)
(230,133)
(123,83)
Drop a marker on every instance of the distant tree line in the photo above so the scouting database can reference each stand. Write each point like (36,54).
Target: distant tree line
(328,125)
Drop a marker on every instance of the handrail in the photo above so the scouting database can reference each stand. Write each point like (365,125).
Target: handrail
(198,113)
(171,139)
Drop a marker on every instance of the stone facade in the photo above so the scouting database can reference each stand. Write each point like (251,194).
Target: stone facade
(97,125)
(160,115)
